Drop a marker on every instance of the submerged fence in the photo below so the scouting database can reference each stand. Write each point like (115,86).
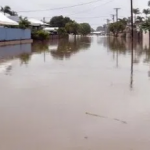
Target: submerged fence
(11,34)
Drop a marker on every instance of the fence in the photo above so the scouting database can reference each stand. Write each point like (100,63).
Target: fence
(11,34)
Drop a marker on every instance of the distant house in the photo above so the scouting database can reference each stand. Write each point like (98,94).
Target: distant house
(51,30)
(34,22)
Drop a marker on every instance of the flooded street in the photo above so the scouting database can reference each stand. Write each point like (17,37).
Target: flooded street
(76,94)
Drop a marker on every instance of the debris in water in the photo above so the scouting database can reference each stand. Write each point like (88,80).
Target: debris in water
(115,119)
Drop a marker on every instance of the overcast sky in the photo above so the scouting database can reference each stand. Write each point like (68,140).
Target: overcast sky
(101,9)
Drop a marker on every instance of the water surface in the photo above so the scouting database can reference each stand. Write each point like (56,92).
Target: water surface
(82,93)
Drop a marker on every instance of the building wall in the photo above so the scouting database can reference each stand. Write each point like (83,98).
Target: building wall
(11,34)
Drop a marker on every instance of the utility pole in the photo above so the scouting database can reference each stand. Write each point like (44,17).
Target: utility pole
(117,9)
(44,19)
(108,21)
(113,17)
(132,33)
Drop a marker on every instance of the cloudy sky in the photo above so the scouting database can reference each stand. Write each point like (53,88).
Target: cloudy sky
(94,13)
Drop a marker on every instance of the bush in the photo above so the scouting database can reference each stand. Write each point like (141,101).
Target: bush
(62,31)
(40,35)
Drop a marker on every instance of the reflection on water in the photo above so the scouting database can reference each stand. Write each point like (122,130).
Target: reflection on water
(77,93)
(67,47)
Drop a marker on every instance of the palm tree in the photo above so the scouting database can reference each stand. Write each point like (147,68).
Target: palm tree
(24,23)
(124,21)
(13,13)
(6,9)
(140,19)
(146,12)
(136,11)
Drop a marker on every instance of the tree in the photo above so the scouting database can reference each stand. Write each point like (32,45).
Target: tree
(116,27)
(84,28)
(59,21)
(72,27)
(146,12)
(6,9)
(24,23)
(139,19)
(124,21)
(100,28)
(146,25)
(13,13)
(136,11)
(62,31)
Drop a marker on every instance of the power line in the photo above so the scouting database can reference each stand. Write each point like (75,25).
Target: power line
(88,10)
(76,17)
(71,6)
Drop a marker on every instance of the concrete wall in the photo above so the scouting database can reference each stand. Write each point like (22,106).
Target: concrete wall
(11,34)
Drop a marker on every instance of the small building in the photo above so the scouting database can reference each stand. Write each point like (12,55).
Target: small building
(51,30)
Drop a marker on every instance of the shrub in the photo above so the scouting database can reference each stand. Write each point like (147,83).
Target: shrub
(40,35)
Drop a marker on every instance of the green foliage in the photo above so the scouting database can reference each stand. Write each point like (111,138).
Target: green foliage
(40,35)
(116,27)
(146,25)
(8,10)
(72,27)
(123,21)
(59,21)
(13,13)
(84,29)
(24,23)
(146,12)
(139,19)
(136,11)
(62,31)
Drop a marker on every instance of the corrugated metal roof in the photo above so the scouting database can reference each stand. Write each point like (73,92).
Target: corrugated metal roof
(6,21)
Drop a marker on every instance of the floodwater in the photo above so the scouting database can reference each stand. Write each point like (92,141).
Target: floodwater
(87,93)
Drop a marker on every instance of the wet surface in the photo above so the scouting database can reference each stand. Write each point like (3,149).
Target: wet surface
(82,93)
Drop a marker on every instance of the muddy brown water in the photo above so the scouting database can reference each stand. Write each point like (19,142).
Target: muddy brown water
(75,94)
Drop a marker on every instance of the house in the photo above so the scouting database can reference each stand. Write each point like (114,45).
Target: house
(14,35)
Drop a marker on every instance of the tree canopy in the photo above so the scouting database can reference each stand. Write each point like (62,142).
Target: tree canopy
(8,10)
(116,27)
(136,11)
(84,28)
(72,27)
(24,23)
(146,12)
(100,28)
(59,21)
